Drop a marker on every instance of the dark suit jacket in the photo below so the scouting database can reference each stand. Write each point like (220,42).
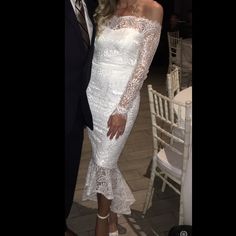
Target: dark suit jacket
(77,70)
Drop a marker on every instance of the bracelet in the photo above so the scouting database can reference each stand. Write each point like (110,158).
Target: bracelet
(103,217)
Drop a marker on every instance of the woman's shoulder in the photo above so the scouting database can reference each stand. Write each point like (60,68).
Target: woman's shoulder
(153,10)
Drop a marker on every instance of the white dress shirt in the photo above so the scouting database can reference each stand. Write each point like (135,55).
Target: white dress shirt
(88,21)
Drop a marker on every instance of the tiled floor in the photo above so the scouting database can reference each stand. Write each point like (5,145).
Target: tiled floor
(133,163)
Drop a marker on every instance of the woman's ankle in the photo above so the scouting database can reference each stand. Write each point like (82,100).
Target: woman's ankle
(112,227)
(113,222)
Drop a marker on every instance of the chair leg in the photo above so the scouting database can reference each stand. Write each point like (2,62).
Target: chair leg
(150,187)
(181,211)
(164,184)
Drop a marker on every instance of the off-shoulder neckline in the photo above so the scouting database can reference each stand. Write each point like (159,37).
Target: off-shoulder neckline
(138,17)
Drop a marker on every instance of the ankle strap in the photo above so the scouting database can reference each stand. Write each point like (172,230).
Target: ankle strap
(103,217)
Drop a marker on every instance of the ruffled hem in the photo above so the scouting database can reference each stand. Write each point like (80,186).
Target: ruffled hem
(111,184)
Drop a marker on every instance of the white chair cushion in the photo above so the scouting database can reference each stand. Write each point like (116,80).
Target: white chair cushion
(170,161)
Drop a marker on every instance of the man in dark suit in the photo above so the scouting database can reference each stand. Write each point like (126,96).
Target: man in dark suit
(78,57)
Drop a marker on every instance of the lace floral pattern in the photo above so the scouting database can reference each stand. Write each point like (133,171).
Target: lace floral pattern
(123,53)
(111,184)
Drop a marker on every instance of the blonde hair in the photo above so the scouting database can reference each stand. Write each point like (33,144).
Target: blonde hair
(105,9)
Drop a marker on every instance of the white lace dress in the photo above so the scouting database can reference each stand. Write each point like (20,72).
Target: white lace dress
(122,56)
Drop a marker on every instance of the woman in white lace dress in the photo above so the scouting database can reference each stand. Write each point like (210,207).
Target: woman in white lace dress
(128,33)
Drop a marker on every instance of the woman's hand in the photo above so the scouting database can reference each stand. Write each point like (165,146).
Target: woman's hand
(116,125)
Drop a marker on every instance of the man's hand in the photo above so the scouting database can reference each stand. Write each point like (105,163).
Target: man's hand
(116,125)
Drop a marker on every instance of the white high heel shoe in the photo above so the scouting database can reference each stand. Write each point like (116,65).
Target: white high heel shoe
(114,233)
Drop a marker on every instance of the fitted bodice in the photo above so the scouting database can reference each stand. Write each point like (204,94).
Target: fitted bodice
(117,47)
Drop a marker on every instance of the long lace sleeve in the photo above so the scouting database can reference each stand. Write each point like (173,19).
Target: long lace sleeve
(147,51)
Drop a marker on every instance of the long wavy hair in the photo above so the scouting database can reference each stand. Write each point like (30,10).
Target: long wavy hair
(105,9)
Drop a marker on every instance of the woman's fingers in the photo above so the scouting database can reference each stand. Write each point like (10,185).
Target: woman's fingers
(119,133)
(112,131)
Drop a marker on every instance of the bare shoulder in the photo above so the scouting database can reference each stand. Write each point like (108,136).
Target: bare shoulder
(153,10)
